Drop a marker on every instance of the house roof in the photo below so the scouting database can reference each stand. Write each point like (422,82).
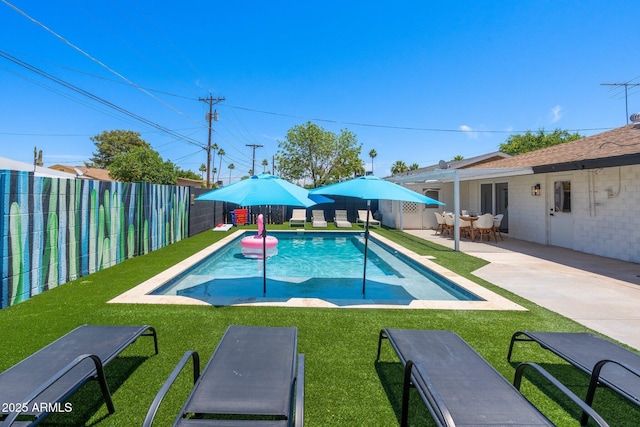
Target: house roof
(457,164)
(85,172)
(616,147)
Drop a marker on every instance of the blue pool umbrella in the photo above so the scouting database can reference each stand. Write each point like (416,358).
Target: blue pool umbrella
(372,188)
(264,189)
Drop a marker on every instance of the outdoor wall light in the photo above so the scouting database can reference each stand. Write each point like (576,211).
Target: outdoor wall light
(535,190)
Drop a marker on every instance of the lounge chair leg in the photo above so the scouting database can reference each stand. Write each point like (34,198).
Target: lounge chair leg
(406,387)
(383,335)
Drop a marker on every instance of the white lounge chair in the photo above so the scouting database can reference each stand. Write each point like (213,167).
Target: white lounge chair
(341,219)
(317,219)
(298,218)
(362,217)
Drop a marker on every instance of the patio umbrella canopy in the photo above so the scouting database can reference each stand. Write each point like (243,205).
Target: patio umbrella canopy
(264,189)
(372,188)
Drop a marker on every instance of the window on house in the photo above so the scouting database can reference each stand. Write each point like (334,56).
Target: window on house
(562,196)
(435,195)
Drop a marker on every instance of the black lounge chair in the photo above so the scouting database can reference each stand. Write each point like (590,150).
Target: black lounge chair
(458,386)
(254,378)
(606,363)
(55,372)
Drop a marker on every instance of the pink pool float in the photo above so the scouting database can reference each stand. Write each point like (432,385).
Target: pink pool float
(252,245)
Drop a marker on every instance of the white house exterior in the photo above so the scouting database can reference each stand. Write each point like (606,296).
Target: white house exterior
(583,195)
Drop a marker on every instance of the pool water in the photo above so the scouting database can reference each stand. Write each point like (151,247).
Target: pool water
(322,265)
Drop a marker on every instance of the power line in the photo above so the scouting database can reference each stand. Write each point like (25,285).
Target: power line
(96,98)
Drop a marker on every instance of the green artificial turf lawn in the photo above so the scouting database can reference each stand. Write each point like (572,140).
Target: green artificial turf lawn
(345,386)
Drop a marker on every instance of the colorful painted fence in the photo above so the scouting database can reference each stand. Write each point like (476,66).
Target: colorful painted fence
(56,230)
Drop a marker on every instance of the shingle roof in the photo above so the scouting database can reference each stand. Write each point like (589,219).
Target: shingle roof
(85,172)
(619,142)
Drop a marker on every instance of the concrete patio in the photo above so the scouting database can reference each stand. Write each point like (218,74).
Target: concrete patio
(600,293)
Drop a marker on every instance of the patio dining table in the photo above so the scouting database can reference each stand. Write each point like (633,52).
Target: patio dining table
(471,219)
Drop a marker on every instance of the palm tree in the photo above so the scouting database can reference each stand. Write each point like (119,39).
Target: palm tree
(458,158)
(265,163)
(214,148)
(372,154)
(220,153)
(231,167)
(399,167)
(414,166)
(202,169)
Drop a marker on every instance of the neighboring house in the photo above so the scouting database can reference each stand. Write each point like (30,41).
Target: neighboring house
(85,172)
(14,165)
(187,182)
(583,195)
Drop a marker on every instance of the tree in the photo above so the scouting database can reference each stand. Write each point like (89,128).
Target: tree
(373,155)
(414,166)
(203,169)
(399,167)
(231,167)
(518,144)
(220,154)
(182,173)
(265,163)
(111,144)
(322,156)
(143,164)
(458,158)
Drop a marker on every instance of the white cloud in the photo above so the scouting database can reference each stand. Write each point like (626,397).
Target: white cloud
(469,131)
(556,114)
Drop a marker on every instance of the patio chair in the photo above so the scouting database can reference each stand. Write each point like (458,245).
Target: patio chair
(448,223)
(459,387)
(58,370)
(441,223)
(606,363)
(254,378)
(317,219)
(298,218)
(341,220)
(497,220)
(465,227)
(484,227)
(362,217)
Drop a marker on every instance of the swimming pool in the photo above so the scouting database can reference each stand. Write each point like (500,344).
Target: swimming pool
(318,265)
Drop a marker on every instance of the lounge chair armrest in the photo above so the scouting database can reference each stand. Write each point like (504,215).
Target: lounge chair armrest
(517,337)
(429,394)
(75,362)
(299,415)
(595,376)
(192,354)
(586,409)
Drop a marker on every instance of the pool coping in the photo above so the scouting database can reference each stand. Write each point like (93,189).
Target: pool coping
(492,301)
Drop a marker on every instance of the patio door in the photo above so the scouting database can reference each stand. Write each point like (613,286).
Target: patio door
(494,198)
(560,216)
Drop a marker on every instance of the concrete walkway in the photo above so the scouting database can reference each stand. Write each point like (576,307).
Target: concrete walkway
(600,293)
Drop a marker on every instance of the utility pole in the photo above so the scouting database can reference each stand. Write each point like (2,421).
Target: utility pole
(253,162)
(210,117)
(626,86)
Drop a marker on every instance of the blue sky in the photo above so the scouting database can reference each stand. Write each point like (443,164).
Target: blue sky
(417,81)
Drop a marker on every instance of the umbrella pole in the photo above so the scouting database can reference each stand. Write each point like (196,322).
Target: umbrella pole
(366,244)
(264,260)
